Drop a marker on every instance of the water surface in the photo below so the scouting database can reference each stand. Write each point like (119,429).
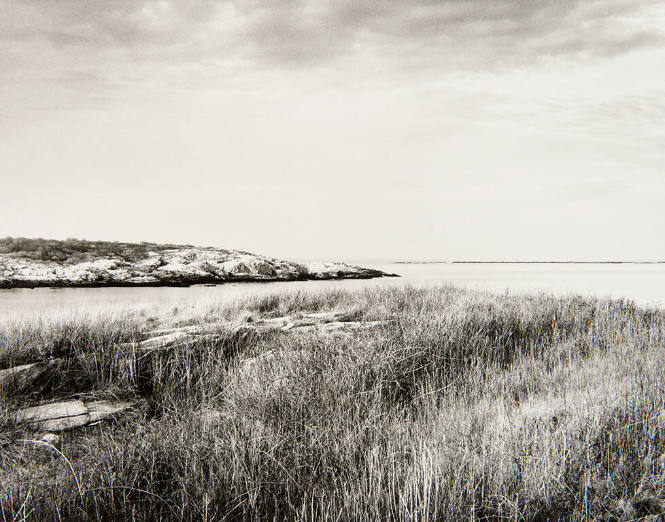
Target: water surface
(643,283)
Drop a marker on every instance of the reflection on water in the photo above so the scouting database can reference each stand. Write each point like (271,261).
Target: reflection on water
(644,283)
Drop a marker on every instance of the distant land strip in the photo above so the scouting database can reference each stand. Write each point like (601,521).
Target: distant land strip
(529,262)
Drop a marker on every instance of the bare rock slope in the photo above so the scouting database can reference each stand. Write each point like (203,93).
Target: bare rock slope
(170,267)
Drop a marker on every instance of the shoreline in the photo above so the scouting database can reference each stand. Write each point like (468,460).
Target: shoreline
(94,265)
(20,284)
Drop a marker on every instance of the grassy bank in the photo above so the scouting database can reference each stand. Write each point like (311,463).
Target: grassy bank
(72,251)
(458,405)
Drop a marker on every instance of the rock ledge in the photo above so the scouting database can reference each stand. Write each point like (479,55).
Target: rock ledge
(173,267)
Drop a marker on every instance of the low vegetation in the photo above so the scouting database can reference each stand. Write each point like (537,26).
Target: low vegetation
(458,405)
(72,251)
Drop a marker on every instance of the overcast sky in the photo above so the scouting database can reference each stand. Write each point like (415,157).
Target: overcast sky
(419,129)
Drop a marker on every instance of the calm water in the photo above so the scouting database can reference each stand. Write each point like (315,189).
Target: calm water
(643,283)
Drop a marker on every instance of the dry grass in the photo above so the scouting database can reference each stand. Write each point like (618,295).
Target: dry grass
(463,406)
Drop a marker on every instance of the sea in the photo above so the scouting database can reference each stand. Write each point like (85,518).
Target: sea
(643,283)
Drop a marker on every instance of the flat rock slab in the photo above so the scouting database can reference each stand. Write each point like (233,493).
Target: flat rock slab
(193,330)
(163,342)
(65,415)
(327,317)
(338,323)
(98,410)
(24,376)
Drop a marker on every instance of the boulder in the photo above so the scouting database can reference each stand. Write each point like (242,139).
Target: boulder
(50,438)
(27,375)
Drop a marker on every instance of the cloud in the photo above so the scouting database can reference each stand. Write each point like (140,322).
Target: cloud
(306,33)
(82,52)
(440,34)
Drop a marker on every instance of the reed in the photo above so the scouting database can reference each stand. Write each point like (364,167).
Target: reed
(462,405)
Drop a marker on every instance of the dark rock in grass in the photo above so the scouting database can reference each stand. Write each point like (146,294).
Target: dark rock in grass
(26,376)
(647,506)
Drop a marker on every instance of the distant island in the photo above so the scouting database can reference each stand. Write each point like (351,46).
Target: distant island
(27,263)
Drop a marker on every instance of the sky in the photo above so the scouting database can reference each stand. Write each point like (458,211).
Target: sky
(374,129)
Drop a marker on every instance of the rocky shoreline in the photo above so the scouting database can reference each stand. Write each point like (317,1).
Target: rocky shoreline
(173,267)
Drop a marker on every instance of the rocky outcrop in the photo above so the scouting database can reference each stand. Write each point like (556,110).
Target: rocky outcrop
(342,271)
(338,324)
(174,267)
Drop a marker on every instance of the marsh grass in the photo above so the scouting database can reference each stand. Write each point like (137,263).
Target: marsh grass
(464,405)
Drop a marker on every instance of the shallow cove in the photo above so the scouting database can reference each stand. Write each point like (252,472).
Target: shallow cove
(643,283)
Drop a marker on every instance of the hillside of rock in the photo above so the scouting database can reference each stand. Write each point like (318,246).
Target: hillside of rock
(169,267)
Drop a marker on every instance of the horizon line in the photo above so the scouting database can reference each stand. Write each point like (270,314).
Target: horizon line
(612,262)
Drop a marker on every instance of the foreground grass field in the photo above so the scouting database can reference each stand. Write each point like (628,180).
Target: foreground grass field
(452,405)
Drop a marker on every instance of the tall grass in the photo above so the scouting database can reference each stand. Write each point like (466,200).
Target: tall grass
(463,405)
